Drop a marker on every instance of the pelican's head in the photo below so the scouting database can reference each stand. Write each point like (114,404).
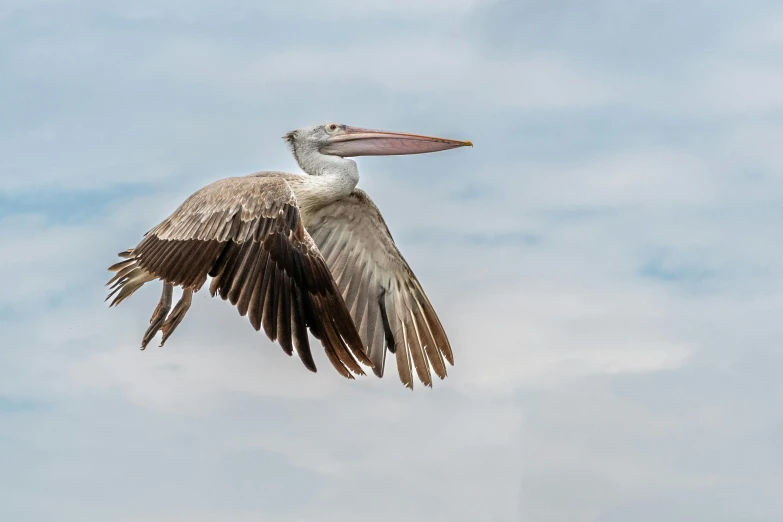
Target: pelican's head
(345,141)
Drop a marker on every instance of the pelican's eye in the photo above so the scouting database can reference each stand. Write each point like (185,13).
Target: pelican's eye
(331,127)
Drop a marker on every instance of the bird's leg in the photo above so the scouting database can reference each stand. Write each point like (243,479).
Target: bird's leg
(159,315)
(176,315)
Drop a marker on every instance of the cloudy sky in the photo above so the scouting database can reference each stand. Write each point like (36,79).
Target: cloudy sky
(607,261)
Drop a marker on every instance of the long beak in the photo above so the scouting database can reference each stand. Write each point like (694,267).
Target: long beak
(354,141)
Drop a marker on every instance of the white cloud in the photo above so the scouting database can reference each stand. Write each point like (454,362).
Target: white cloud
(633,178)
(353,9)
(201,516)
(544,336)
(764,33)
(739,88)
(189,376)
(451,67)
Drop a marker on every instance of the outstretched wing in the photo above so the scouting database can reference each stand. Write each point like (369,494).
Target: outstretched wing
(247,234)
(385,299)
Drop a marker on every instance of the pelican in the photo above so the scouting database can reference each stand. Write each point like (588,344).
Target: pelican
(297,253)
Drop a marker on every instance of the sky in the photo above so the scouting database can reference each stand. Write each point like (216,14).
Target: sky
(606,261)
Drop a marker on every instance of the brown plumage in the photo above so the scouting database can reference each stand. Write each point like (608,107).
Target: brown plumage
(247,234)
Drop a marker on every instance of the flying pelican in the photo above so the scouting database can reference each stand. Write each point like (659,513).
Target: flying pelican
(300,252)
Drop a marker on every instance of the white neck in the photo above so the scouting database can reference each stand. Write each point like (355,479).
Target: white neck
(330,179)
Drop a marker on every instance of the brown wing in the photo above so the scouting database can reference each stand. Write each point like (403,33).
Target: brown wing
(385,299)
(247,234)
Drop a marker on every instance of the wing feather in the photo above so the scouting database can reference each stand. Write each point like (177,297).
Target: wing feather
(247,234)
(380,290)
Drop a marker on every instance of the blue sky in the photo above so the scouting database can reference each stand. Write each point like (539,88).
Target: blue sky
(606,260)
